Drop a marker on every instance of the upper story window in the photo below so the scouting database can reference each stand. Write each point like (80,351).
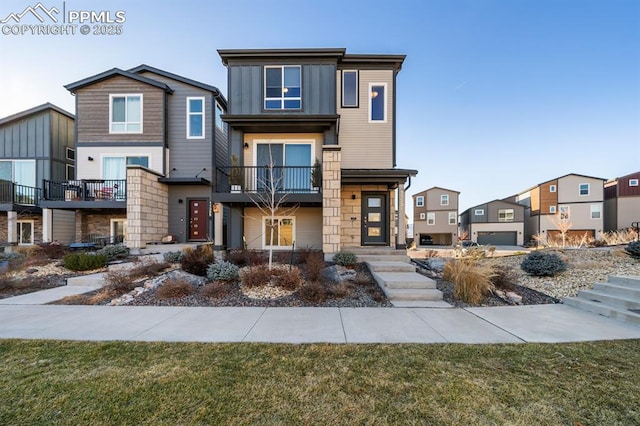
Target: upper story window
(195,118)
(70,172)
(633,182)
(70,154)
(552,188)
(349,89)
(283,87)
(505,215)
(595,211)
(377,102)
(115,167)
(552,209)
(479,212)
(444,200)
(452,218)
(22,172)
(125,113)
(564,212)
(420,201)
(431,218)
(219,121)
(423,216)
(584,189)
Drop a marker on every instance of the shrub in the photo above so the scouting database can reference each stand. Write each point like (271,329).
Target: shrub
(147,268)
(471,282)
(114,252)
(504,278)
(119,282)
(172,256)
(52,250)
(256,276)
(340,290)
(222,271)
(84,261)
(238,257)
(314,265)
(289,280)
(430,254)
(362,279)
(543,264)
(633,249)
(13,257)
(174,289)
(217,290)
(313,292)
(345,258)
(197,261)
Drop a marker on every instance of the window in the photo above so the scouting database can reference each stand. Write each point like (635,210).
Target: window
(452,218)
(552,188)
(420,201)
(633,182)
(195,118)
(444,200)
(564,212)
(70,172)
(219,121)
(125,113)
(423,216)
(116,167)
(377,103)
(25,232)
(282,87)
(349,89)
(505,215)
(584,189)
(278,233)
(552,209)
(431,218)
(478,212)
(22,172)
(595,211)
(292,161)
(118,231)
(70,154)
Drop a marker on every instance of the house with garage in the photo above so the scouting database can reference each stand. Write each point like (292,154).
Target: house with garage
(622,202)
(573,202)
(320,122)
(435,216)
(35,145)
(497,223)
(144,148)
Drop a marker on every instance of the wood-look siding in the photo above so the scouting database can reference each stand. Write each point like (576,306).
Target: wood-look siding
(357,134)
(534,196)
(92,106)
(624,190)
(548,198)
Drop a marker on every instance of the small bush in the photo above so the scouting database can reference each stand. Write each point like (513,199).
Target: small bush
(172,256)
(256,276)
(218,290)
(13,257)
(114,252)
(504,278)
(84,261)
(290,280)
(313,292)
(222,271)
(238,257)
(147,269)
(119,282)
(52,250)
(543,264)
(361,279)
(314,265)
(197,261)
(471,282)
(633,249)
(174,289)
(340,291)
(345,258)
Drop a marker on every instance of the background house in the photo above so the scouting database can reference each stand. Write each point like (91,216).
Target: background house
(435,216)
(497,222)
(622,202)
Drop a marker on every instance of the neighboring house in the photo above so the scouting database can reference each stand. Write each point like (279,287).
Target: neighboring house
(574,199)
(144,156)
(622,202)
(35,144)
(497,222)
(294,107)
(435,216)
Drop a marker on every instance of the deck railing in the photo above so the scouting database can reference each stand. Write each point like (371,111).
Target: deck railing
(85,190)
(12,193)
(252,179)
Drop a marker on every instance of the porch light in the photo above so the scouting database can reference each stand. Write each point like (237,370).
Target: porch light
(374,94)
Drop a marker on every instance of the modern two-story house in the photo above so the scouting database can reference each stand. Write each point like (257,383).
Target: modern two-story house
(497,222)
(144,155)
(622,202)
(322,123)
(35,145)
(435,216)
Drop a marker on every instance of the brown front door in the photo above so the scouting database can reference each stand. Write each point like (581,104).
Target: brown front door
(375,219)
(198,216)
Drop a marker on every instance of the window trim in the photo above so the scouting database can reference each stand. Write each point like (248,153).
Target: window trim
(66,171)
(580,189)
(189,114)
(442,198)
(506,219)
(67,151)
(357,104)
(385,112)
(633,182)
(553,188)
(478,212)
(126,96)
(431,216)
(264,231)
(18,233)
(420,201)
(282,97)
(454,216)
(114,220)
(599,211)
(552,209)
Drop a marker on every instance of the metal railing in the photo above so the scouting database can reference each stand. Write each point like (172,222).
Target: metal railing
(12,193)
(252,179)
(85,190)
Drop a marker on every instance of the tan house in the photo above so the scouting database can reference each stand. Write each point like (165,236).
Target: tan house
(435,216)
(574,201)
(497,222)
(622,202)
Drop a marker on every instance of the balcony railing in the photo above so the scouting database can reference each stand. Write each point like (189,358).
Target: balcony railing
(12,193)
(253,179)
(85,190)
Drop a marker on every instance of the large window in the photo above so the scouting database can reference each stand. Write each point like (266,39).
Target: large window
(279,232)
(125,113)
(22,172)
(349,88)
(595,211)
(283,87)
(116,167)
(505,215)
(584,189)
(195,118)
(292,166)
(25,232)
(378,102)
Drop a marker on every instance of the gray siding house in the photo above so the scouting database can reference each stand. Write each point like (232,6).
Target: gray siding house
(497,222)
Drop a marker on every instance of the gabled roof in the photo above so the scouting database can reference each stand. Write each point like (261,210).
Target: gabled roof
(558,178)
(35,110)
(435,187)
(630,175)
(497,200)
(147,68)
(73,87)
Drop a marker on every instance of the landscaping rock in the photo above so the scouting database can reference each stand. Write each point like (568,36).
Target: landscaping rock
(514,298)
(436,263)
(337,273)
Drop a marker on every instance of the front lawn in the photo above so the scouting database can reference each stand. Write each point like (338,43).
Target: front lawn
(53,382)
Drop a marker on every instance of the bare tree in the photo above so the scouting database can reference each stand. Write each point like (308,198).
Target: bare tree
(562,223)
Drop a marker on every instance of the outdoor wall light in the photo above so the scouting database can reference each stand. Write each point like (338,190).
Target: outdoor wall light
(246,145)
(90,158)
(353,196)
(180,201)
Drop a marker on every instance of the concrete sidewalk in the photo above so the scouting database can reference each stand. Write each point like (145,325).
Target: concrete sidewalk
(516,324)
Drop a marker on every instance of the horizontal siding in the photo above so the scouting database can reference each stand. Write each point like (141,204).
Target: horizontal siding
(179,212)
(92,105)
(433,197)
(568,189)
(64,226)
(308,228)
(494,207)
(624,190)
(628,211)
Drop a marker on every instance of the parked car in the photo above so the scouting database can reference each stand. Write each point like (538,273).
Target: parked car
(426,240)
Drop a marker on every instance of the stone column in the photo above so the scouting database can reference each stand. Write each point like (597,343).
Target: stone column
(331,184)
(401,238)
(47,225)
(12,228)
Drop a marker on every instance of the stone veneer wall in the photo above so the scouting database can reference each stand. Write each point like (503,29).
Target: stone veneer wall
(3,228)
(352,229)
(37,226)
(147,207)
(94,223)
(331,176)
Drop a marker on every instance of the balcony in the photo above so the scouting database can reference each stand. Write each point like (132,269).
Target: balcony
(18,197)
(85,193)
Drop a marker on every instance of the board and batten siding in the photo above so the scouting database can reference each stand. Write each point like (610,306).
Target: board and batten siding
(92,106)
(357,134)
(308,228)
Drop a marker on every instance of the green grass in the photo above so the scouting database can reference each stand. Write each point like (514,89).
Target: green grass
(53,382)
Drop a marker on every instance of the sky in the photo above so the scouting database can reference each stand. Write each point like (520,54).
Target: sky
(494,97)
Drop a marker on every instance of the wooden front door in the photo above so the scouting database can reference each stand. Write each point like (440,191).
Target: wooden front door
(375,219)
(198,216)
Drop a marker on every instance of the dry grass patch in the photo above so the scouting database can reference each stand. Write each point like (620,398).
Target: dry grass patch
(175,289)
(216,290)
(471,280)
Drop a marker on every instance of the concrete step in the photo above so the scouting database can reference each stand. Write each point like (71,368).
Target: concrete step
(384,258)
(441,304)
(389,266)
(415,294)
(604,310)
(404,280)
(606,298)
(87,280)
(619,290)
(626,281)
(374,250)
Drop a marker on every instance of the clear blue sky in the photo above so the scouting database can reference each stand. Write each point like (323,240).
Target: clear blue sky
(494,97)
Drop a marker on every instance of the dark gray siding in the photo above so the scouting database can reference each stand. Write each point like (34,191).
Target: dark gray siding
(62,137)
(179,211)
(478,218)
(494,207)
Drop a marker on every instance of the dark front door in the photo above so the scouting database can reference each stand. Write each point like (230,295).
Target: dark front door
(198,216)
(375,219)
